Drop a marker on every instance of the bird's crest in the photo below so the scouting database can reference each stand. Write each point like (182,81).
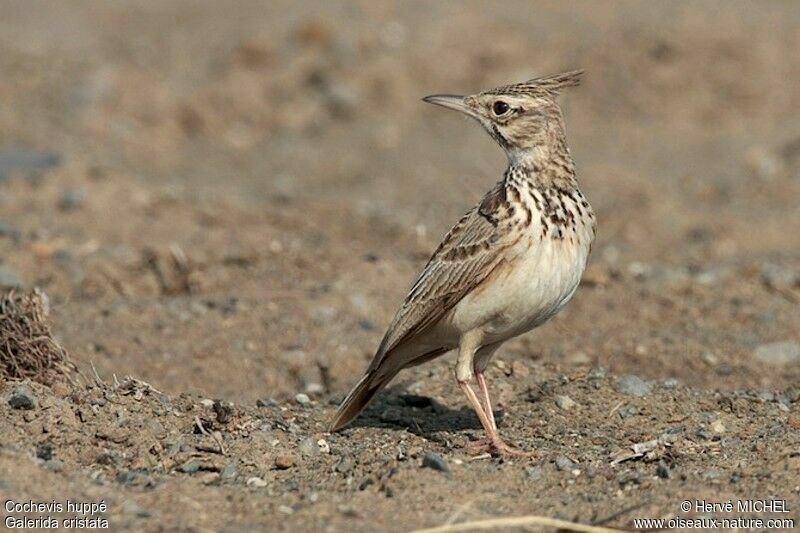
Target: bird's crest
(547,86)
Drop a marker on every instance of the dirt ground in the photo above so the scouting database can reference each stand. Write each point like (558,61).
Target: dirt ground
(227,201)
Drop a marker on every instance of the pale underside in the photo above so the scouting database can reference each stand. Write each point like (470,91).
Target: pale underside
(494,276)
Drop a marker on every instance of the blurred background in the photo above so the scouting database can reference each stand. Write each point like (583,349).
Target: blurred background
(234,197)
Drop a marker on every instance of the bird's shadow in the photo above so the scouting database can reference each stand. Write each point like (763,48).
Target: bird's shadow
(395,409)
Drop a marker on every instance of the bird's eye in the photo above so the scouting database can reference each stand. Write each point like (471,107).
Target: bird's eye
(500,108)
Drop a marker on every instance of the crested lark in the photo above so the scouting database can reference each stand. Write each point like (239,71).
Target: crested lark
(511,262)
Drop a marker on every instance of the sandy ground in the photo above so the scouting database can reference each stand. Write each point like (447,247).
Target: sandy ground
(229,201)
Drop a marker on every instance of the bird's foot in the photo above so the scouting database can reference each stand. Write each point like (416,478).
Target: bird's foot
(506,450)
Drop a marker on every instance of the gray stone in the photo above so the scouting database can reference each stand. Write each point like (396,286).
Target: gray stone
(302,399)
(565,402)
(10,231)
(189,467)
(9,279)
(435,461)
(308,447)
(628,411)
(535,473)
(26,160)
(633,386)
(22,397)
(565,463)
(778,353)
(230,471)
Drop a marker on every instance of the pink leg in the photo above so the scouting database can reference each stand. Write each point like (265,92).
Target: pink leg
(486,402)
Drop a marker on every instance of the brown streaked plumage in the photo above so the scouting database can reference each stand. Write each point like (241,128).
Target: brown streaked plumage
(508,265)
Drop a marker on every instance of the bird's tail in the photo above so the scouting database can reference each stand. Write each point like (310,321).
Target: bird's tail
(359,397)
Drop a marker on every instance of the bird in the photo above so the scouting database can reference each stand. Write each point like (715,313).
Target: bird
(507,266)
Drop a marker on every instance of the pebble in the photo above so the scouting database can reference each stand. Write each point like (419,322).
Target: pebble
(565,463)
(628,411)
(302,399)
(323,445)
(266,402)
(435,461)
(22,397)
(597,373)
(718,427)
(26,160)
(778,353)
(256,482)
(230,471)
(633,386)
(535,473)
(10,231)
(284,462)
(308,447)
(670,383)
(189,467)
(565,402)
(72,198)
(9,279)
(662,470)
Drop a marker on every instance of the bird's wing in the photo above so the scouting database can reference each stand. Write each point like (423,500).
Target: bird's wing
(470,251)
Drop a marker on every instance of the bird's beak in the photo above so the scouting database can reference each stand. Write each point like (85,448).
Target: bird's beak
(451,101)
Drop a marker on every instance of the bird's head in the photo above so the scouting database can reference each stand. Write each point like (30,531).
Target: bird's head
(522,118)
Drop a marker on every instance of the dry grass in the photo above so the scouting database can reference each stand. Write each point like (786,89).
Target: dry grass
(27,347)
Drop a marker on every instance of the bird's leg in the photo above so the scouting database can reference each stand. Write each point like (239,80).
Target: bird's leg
(464,373)
(482,358)
(486,402)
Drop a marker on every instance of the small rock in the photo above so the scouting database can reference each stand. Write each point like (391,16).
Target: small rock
(44,452)
(26,160)
(285,509)
(662,470)
(565,402)
(565,463)
(302,399)
(435,461)
(266,402)
(778,353)
(633,386)
(284,462)
(323,445)
(597,373)
(345,466)
(718,427)
(308,447)
(10,231)
(256,482)
(628,411)
(22,397)
(72,198)
(535,473)
(670,383)
(230,471)
(9,279)
(189,467)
